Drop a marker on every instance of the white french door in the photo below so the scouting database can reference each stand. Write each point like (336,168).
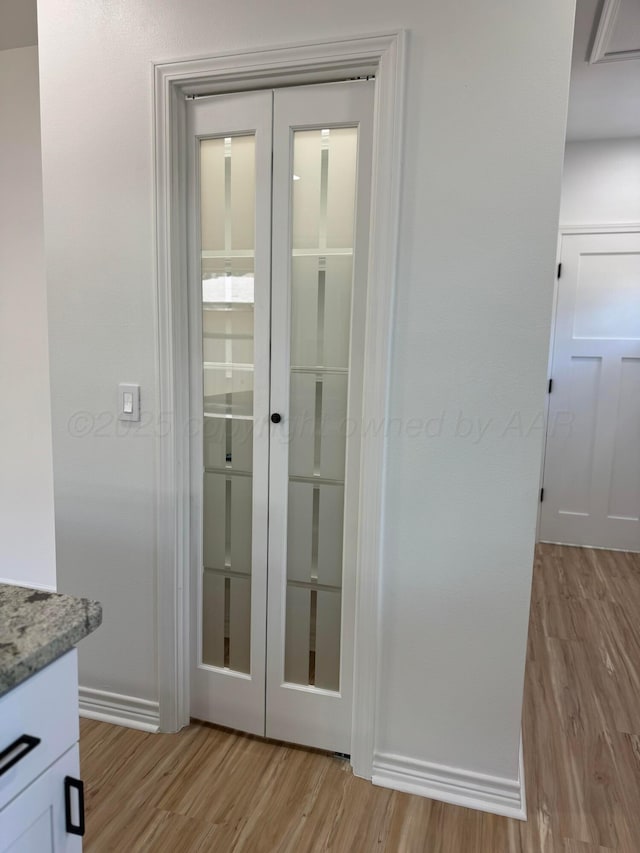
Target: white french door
(279,220)
(230,262)
(592,461)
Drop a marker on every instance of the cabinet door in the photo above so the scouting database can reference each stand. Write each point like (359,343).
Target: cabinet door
(35,821)
(54,722)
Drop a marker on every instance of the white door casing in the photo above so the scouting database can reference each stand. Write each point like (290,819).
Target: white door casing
(592,461)
(382,55)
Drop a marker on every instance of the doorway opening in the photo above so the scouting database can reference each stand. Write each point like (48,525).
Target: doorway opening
(590,492)
(176,84)
(592,463)
(279,219)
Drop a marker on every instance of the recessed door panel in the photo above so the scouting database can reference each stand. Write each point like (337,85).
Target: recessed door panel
(624,486)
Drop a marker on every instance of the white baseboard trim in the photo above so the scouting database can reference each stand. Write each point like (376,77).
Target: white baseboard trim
(493,794)
(44,587)
(121,710)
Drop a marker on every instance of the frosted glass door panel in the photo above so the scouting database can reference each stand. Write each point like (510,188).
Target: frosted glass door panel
(318,424)
(228,441)
(312,645)
(227,534)
(323,211)
(225,641)
(327,640)
(227,216)
(228,183)
(227,331)
(318,293)
(315,530)
(324,180)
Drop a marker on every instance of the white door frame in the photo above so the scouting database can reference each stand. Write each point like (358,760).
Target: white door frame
(381,55)
(566,230)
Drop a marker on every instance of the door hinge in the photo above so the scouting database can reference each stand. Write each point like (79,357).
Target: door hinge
(541,495)
(550,385)
(559,270)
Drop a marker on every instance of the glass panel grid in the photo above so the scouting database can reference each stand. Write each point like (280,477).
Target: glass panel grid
(324,192)
(227,215)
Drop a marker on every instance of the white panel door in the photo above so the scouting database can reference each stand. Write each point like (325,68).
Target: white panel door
(592,462)
(321,180)
(230,270)
(279,222)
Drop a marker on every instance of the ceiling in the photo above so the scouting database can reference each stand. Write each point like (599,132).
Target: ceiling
(605,94)
(18,24)
(604,100)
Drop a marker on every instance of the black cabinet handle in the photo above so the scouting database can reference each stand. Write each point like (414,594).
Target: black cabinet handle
(16,751)
(276,418)
(69,783)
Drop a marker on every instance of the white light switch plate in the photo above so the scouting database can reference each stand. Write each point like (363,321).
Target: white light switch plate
(128,402)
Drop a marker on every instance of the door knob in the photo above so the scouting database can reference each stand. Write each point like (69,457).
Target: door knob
(276,418)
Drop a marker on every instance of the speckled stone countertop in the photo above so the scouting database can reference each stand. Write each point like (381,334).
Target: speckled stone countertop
(37,627)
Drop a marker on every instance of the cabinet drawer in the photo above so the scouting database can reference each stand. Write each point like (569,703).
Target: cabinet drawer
(35,821)
(44,707)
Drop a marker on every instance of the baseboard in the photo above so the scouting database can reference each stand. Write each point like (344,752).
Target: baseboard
(590,547)
(44,587)
(493,794)
(118,709)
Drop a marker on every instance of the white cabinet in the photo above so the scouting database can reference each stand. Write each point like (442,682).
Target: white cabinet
(35,822)
(41,803)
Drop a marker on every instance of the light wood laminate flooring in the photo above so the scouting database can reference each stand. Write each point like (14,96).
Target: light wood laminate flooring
(208,789)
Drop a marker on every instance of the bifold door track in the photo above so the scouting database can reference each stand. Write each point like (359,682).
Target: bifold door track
(270,85)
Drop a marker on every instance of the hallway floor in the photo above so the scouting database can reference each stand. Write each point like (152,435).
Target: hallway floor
(209,789)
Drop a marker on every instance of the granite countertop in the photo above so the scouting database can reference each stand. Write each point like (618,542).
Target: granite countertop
(37,627)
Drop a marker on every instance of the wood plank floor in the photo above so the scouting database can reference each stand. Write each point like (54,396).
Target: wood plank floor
(206,789)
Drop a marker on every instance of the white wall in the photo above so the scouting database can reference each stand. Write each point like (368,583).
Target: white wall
(601,182)
(27,550)
(486,105)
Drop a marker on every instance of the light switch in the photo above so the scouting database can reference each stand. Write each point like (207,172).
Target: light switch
(128,402)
